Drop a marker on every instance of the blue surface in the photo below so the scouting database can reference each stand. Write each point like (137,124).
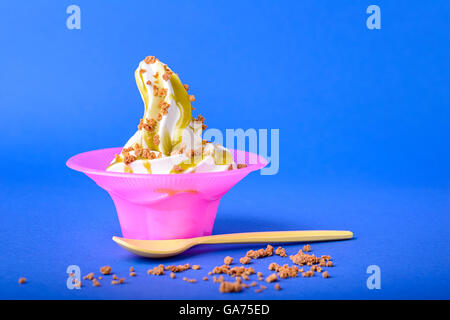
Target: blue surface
(363,118)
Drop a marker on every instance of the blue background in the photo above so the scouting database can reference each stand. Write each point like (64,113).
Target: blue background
(364,137)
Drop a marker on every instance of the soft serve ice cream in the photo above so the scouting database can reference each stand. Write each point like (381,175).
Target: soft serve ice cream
(168,139)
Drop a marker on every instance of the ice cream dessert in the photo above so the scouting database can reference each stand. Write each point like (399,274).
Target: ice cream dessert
(168,139)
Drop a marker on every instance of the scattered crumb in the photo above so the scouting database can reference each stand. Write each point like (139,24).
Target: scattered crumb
(22,280)
(189,280)
(196,267)
(228,260)
(158,271)
(277,286)
(281,252)
(89,276)
(172,275)
(132,274)
(273,277)
(244,260)
(228,287)
(105,270)
(325,274)
(261,253)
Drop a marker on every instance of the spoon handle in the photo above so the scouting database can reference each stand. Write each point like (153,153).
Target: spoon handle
(277,236)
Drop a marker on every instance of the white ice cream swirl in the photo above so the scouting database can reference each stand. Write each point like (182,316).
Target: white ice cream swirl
(168,139)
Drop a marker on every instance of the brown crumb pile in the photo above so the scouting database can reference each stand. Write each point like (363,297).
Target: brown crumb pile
(309,259)
(95,283)
(285,271)
(157,271)
(233,272)
(261,253)
(273,277)
(105,270)
(189,280)
(179,268)
(227,287)
(244,260)
(281,252)
(228,260)
(308,274)
(89,276)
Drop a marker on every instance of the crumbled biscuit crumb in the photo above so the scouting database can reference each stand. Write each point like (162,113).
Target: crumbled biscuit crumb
(105,270)
(325,274)
(307,248)
(157,271)
(114,282)
(191,97)
(228,287)
(273,277)
(115,277)
(241,165)
(89,276)
(329,264)
(176,168)
(179,268)
(261,253)
(95,283)
(189,280)
(196,267)
(277,286)
(205,278)
(281,252)
(150,60)
(172,275)
(244,260)
(228,260)
(132,274)
(22,280)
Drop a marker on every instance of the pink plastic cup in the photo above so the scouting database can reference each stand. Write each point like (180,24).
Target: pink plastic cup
(163,206)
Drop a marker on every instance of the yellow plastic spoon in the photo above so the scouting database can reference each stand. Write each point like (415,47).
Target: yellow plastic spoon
(167,248)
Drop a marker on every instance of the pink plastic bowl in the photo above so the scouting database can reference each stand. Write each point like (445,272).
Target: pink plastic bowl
(163,206)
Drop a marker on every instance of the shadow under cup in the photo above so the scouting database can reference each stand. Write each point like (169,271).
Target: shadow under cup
(163,206)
